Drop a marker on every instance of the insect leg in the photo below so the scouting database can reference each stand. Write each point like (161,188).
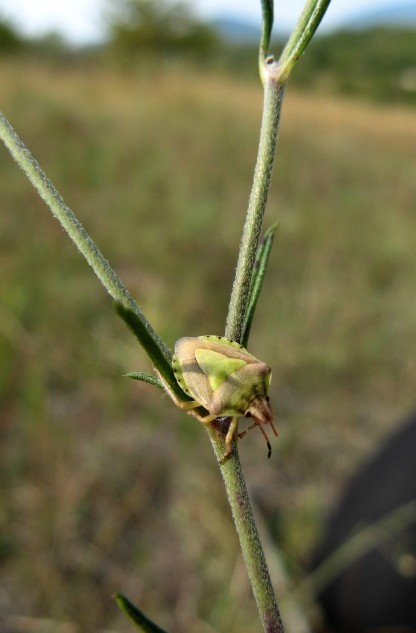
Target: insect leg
(231,433)
(243,433)
(252,426)
(182,404)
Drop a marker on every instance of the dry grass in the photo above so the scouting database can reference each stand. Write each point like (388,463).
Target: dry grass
(104,487)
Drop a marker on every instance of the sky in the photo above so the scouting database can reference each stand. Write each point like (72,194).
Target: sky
(80,21)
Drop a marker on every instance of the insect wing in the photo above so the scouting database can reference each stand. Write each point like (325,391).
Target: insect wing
(219,374)
(188,372)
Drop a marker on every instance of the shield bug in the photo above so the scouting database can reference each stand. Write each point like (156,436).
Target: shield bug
(221,376)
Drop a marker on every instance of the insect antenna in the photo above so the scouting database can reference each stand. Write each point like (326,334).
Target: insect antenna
(269,447)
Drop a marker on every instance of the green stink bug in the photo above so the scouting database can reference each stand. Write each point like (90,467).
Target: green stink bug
(221,376)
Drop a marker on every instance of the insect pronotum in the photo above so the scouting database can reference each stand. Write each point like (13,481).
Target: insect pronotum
(221,376)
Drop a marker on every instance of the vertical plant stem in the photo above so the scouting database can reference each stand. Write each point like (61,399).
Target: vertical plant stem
(235,327)
(248,535)
(273,95)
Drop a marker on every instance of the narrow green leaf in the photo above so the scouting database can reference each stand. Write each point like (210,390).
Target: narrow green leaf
(259,271)
(146,340)
(140,620)
(267,25)
(303,32)
(140,375)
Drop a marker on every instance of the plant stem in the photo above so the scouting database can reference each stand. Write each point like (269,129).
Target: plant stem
(77,233)
(274,76)
(248,535)
(273,95)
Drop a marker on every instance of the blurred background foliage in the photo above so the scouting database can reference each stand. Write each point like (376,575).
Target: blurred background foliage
(374,61)
(104,486)
(156,28)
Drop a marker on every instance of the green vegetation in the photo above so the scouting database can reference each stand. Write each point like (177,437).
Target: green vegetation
(85,471)
(139,28)
(378,64)
(50,45)
(375,64)
(10,40)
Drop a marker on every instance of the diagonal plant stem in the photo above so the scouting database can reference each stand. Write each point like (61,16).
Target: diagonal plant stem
(153,344)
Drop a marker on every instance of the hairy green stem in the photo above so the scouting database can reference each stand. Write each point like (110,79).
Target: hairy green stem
(273,95)
(274,76)
(76,231)
(237,329)
(250,544)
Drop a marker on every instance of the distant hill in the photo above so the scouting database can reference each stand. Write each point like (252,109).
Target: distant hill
(399,14)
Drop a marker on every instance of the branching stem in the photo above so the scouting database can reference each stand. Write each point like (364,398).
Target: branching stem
(274,75)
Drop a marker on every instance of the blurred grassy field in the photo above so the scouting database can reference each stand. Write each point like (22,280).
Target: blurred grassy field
(104,487)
